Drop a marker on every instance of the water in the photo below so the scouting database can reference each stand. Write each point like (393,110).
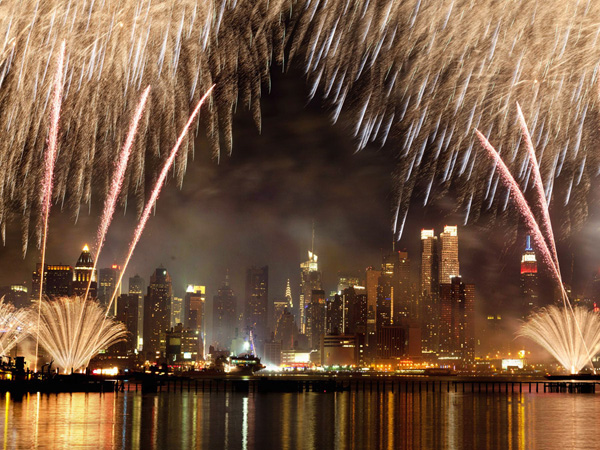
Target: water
(300,421)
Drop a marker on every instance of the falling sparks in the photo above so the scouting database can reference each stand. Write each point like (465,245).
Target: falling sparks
(413,74)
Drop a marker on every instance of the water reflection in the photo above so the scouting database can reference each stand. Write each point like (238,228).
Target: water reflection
(342,420)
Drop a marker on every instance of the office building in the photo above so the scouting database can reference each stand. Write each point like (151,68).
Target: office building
(137,286)
(457,319)
(429,291)
(127,312)
(256,308)
(157,313)
(310,280)
(107,282)
(448,254)
(315,318)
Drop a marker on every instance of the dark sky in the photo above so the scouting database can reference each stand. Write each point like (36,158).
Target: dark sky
(258,206)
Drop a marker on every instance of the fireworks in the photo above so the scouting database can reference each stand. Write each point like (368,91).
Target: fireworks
(419,74)
(12,327)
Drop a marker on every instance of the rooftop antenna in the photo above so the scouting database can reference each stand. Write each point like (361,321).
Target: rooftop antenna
(312,248)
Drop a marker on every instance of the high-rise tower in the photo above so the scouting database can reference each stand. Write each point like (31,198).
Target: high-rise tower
(137,287)
(256,308)
(224,315)
(429,290)
(106,286)
(529,279)
(449,266)
(310,280)
(157,312)
(457,321)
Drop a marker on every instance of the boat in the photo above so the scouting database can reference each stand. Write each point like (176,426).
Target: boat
(245,364)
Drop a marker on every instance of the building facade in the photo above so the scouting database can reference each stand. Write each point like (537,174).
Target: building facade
(157,313)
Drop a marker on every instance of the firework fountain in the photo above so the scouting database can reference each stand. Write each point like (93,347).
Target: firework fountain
(73,331)
(571,335)
(12,327)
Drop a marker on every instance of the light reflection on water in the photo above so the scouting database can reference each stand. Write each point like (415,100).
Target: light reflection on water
(343,420)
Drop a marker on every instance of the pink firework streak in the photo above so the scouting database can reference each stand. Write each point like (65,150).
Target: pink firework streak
(517,195)
(539,187)
(49,162)
(156,192)
(117,182)
(538,238)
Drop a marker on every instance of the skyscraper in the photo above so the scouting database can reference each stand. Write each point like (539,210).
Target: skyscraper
(193,312)
(429,290)
(224,315)
(58,281)
(315,318)
(354,310)
(449,266)
(457,319)
(176,311)
(334,323)
(137,286)
(394,287)
(127,312)
(107,281)
(310,280)
(157,312)
(83,272)
(256,308)
(346,281)
(529,280)
(193,307)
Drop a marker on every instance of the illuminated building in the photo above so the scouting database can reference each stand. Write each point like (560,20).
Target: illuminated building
(394,284)
(193,307)
(448,253)
(157,311)
(354,310)
(107,281)
(529,280)
(371,283)
(15,294)
(83,272)
(58,281)
(272,353)
(391,341)
(457,319)
(183,346)
(256,308)
(224,315)
(279,306)
(315,318)
(127,312)
(429,290)
(310,280)
(193,311)
(346,281)
(334,314)
(339,350)
(288,294)
(176,311)
(137,286)
(287,331)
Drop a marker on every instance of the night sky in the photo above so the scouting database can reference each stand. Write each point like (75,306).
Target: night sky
(257,207)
